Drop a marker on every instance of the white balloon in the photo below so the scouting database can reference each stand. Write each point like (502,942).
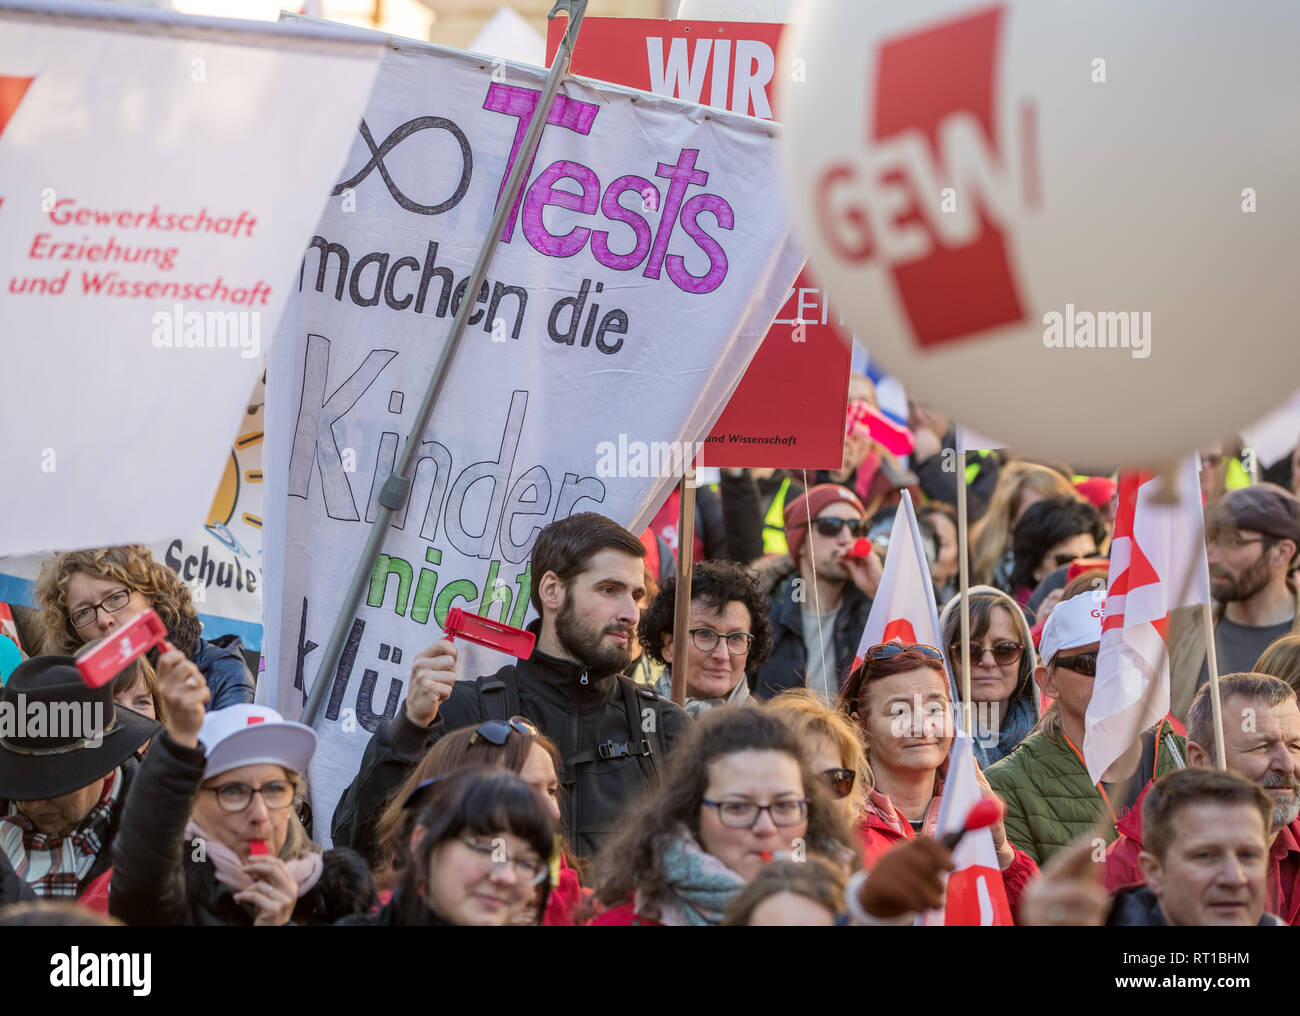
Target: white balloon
(985,189)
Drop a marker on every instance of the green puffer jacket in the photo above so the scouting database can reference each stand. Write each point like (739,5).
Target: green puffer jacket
(1050,801)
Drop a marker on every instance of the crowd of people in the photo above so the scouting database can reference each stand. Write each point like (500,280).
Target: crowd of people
(567,789)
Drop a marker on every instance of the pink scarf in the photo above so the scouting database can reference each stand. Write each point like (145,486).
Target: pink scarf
(306,869)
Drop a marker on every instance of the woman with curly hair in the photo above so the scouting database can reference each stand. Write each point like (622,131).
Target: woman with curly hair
(730,636)
(89,594)
(738,795)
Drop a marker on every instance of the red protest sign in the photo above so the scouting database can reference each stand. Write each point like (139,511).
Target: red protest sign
(788,410)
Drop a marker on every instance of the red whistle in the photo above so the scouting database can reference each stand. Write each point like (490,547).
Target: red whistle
(128,643)
(258,848)
(861,548)
(983,813)
(484,632)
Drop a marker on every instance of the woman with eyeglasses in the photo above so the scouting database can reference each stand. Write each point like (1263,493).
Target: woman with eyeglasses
(515,745)
(832,747)
(729,634)
(899,698)
(738,796)
(208,834)
(484,854)
(90,594)
(1002,665)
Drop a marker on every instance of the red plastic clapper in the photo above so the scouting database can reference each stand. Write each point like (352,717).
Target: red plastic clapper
(484,632)
(114,654)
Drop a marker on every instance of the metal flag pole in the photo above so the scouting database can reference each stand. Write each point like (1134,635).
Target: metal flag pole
(397,487)
(963,578)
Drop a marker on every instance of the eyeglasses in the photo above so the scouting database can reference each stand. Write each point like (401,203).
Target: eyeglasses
(706,640)
(830,526)
(840,780)
(1004,652)
(112,603)
(236,797)
(1232,542)
(498,731)
(531,870)
(1084,663)
(744,814)
(888,650)
(1061,560)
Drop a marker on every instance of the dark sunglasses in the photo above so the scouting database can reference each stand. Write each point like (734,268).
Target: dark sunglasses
(498,731)
(1084,663)
(889,650)
(840,781)
(1004,652)
(832,526)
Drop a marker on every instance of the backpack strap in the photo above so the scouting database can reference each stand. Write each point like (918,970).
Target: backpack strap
(498,694)
(642,748)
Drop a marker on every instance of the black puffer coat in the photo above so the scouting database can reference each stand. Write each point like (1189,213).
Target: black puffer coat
(157,880)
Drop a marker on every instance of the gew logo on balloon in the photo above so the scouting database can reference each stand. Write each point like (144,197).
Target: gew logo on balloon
(930,194)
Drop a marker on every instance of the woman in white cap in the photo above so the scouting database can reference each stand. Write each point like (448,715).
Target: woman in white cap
(207,836)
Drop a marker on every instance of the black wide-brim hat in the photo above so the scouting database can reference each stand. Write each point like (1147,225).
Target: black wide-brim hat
(94,735)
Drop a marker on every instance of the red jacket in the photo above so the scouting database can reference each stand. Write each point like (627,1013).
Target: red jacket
(882,827)
(622,916)
(1122,871)
(565,898)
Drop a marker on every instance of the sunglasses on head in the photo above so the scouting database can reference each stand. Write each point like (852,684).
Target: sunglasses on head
(498,731)
(840,781)
(888,650)
(1081,663)
(830,526)
(1004,651)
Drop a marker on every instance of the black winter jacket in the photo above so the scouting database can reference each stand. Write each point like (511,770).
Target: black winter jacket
(157,880)
(577,710)
(226,671)
(104,859)
(787,666)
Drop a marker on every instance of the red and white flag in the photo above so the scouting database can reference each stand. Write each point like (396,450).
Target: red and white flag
(904,609)
(1153,548)
(976,894)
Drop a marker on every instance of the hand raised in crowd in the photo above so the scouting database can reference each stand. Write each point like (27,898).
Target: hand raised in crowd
(1006,852)
(433,675)
(185,693)
(1069,891)
(908,878)
(273,894)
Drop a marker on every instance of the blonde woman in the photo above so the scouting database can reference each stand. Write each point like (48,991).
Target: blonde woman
(1021,485)
(832,748)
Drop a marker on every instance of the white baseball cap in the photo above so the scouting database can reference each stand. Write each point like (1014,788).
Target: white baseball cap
(247,735)
(1073,623)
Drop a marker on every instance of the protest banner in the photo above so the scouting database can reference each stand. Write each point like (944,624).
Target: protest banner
(158,177)
(788,411)
(635,277)
(221,562)
(981,191)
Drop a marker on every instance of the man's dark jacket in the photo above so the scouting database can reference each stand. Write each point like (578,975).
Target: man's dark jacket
(576,709)
(787,666)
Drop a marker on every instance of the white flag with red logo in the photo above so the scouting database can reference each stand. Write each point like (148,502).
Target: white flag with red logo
(976,894)
(1153,547)
(904,609)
